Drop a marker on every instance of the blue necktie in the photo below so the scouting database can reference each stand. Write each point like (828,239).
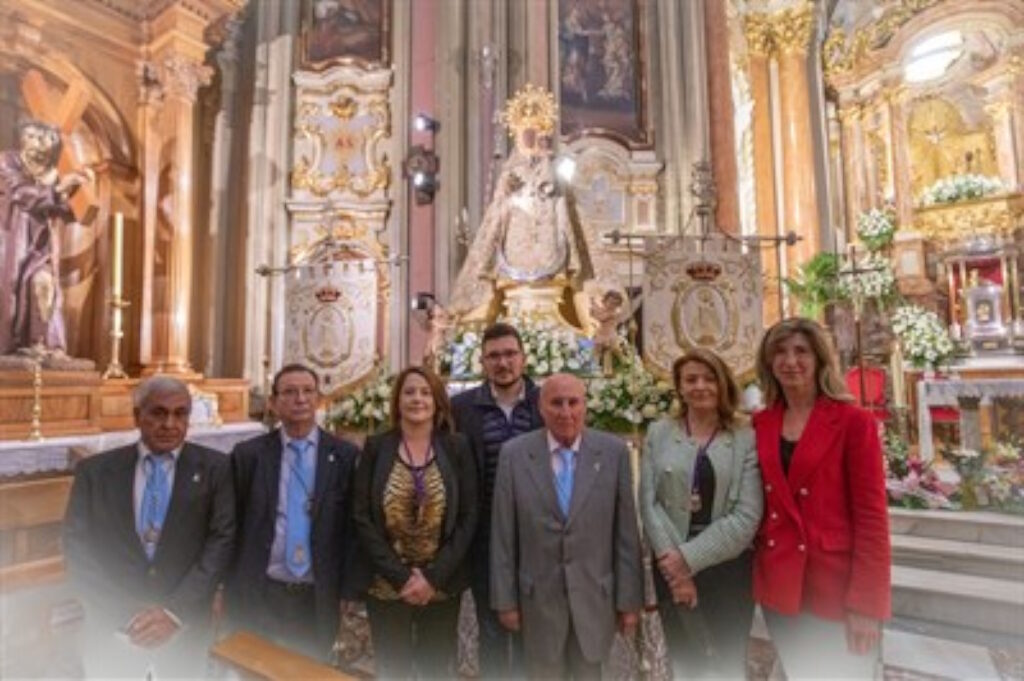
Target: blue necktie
(155,499)
(563,479)
(300,507)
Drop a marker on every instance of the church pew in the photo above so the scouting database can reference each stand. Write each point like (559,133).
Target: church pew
(255,657)
(30,514)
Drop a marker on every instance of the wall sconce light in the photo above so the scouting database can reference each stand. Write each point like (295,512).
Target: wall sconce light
(424,123)
(421,166)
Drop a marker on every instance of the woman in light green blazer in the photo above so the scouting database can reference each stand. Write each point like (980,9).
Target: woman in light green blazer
(701,503)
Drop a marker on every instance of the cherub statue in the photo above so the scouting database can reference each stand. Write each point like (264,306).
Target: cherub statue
(608,312)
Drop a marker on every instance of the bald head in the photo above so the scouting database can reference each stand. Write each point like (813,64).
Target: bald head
(563,406)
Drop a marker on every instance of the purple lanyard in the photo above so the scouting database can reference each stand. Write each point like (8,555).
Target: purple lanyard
(702,452)
(419,473)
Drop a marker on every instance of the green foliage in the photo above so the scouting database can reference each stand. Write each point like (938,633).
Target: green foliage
(816,284)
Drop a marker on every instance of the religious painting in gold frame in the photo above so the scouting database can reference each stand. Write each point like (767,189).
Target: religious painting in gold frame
(346,32)
(602,70)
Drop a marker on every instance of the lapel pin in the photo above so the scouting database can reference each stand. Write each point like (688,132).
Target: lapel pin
(195,478)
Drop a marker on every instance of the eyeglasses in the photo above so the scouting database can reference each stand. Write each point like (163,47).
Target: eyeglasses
(294,393)
(499,356)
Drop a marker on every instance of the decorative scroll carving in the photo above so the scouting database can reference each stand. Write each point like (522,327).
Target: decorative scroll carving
(991,217)
(339,134)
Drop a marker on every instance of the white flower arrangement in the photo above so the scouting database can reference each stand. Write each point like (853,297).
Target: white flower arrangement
(874,280)
(367,408)
(922,335)
(550,348)
(876,227)
(956,188)
(632,398)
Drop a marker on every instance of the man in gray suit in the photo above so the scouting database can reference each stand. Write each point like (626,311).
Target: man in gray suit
(565,549)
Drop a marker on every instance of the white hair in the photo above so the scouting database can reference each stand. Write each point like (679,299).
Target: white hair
(158,384)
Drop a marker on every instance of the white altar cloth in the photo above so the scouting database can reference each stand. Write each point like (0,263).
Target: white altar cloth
(22,457)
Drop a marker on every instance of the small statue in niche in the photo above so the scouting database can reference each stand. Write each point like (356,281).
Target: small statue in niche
(438,323)
(609,313)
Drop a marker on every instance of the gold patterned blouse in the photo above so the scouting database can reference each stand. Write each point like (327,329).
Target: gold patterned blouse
(414,506)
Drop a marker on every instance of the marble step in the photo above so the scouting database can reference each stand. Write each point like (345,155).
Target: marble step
(917,654)
(963,526)
(973,601)
(971,558)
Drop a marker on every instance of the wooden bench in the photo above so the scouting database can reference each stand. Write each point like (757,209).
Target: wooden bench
(31,512)
(255,657)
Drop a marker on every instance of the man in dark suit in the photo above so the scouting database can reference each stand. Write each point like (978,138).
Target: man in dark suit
(148,533)
(565,547)
(295,534)
(500,408)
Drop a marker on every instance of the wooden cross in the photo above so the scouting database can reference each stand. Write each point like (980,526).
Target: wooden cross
(856,270)
(64,113)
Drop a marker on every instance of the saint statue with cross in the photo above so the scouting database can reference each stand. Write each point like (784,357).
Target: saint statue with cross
(34,202)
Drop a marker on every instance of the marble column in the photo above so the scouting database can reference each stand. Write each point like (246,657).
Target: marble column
(221,192)
(792,30)
(849,117)
(759,48)
(899,147)
(178,76)
(723,139)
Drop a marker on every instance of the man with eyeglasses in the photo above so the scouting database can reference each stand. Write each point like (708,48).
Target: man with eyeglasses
(148,534)
(500,408)
(294,530)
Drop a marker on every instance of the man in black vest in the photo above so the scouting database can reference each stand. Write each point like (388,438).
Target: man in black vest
(500,408)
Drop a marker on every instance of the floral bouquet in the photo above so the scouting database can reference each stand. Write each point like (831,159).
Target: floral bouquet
(876,227)
(367,408)
(957,188)
(874,280)
(631,399)
(922,335)
(910,482)
(549,347)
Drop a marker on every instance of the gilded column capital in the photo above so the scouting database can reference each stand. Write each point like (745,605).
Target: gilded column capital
(758,31)
(850,112)
(793,27)
(182,76)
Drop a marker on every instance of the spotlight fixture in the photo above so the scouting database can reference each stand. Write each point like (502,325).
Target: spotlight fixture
(421,166)
(423,301)
(424,123)
(565,168)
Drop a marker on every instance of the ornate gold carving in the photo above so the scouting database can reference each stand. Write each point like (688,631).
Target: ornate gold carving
(533,107)
(793,27)
(941,144)
(344,108)
(844,53)
(758,31)
(996,216)
(345,137)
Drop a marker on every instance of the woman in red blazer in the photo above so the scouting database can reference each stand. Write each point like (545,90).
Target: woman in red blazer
(821,566)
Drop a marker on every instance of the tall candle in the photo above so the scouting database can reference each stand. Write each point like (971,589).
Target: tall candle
(898,384)
(118,256)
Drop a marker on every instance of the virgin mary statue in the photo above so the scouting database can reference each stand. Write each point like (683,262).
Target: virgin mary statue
(531,246)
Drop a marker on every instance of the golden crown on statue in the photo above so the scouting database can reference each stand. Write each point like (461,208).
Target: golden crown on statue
(532,107)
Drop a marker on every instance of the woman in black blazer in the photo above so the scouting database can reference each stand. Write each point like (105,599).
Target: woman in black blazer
(415,510)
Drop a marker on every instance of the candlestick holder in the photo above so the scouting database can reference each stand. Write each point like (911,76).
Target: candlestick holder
(35,431)
(114,369)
